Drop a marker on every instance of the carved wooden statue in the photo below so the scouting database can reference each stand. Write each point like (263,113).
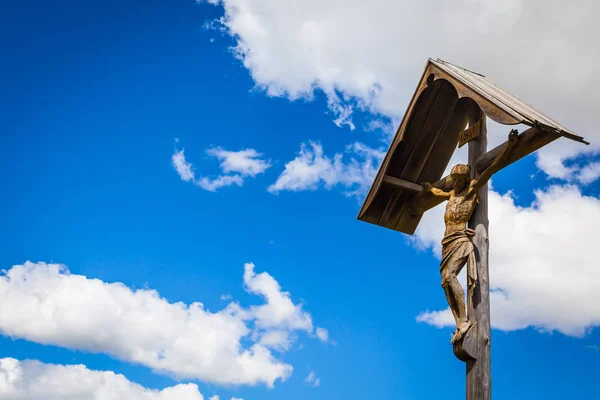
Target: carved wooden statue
(457,248)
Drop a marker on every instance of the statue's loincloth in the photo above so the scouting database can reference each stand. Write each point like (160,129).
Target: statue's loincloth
(457,247)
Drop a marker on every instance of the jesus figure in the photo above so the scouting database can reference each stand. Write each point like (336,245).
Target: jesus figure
(457,247)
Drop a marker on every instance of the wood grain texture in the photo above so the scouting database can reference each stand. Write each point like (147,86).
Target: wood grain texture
(375,201)
(529,141)
(468,134)
(411,162)
(402,184)
(389,207)
(386,203)
(479,380)
(438,158)
(498,112)
(465,349)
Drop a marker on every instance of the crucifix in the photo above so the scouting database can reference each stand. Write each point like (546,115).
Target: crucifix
(449,109)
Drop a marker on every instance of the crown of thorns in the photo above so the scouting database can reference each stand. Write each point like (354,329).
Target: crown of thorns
(461,169)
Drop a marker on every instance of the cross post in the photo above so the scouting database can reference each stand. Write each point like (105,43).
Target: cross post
(479,382)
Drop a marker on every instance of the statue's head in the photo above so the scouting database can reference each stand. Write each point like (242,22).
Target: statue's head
(461,176)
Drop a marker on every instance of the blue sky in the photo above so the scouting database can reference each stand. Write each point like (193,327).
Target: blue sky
(99,97)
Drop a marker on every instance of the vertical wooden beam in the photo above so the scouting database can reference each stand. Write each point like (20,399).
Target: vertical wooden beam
(479,382)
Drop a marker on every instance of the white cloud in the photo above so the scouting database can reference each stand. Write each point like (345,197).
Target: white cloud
(215,397)
(386,126)
(543,271)
(312,169)
(363,54)
(236,398)
(183,168)
(312,380)
(589,173)
(322,334)
(33,380)
(44,303)
(342,112)
(276,340)
(235,167)
(213,184)
(279,310)
(553,165)
(245,162)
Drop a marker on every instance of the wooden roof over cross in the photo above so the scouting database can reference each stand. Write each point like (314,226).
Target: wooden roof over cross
(447,98)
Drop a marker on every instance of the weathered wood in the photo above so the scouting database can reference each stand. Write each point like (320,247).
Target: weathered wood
(425,105)
(439,157)
(445,98)
(436,124)
(446,143)
(379,194)
(471,133)
(408,164)
(479,380)
(384,204)
(465,349)
(497,111)
(529,141)
(402,184)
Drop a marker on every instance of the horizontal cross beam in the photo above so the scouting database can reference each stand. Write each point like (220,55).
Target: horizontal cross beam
(402,184)
(529,141)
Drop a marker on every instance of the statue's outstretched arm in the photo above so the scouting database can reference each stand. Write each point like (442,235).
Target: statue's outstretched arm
(481,180)
(435,191)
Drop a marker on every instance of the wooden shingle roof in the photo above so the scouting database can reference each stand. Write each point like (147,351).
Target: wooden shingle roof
(447,98)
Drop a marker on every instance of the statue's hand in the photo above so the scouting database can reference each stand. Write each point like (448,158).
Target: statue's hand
(513,137)
(426,186)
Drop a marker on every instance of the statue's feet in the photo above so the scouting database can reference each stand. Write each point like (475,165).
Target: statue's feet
(454,337)
(461,330)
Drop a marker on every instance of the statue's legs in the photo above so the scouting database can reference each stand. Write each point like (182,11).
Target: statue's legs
(456,296)
(450,299)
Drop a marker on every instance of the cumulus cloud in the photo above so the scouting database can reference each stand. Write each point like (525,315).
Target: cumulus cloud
(45,303)
(244,162)
(235,167)
(276,340)
(279,311)
(362,54)
(312,380)
(589,173)
(33,380)
(553,165)
(583,173)
(279,317)
(312,169)
(543,273)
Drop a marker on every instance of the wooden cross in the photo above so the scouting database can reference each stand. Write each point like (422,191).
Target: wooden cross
(448,98)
